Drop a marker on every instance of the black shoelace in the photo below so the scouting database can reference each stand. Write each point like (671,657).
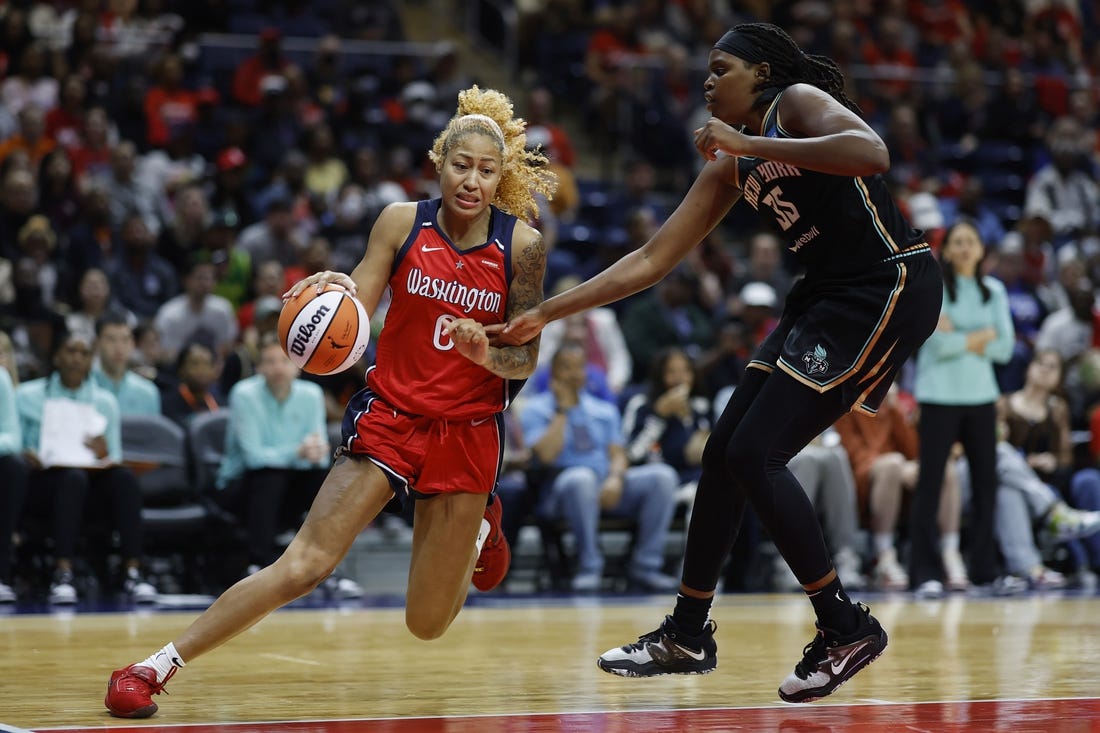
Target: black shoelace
(812,655)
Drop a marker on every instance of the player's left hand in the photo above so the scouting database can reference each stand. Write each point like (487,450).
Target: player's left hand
(470,339)
(520,329)
(716,135)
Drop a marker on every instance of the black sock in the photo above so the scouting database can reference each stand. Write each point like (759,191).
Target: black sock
(691,613)
(834,609)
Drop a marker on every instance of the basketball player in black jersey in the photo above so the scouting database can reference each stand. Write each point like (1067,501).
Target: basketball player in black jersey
(784,138)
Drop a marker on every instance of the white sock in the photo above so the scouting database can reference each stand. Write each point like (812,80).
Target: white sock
(164,661)
(482,535)
(883,542)
(949,542)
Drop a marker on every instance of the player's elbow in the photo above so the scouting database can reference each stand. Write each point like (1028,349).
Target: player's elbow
(878,158)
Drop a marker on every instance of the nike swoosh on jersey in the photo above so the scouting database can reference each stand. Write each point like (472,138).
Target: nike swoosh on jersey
(426,248)
(480,421)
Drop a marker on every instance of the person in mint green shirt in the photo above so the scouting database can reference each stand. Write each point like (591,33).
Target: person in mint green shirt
(957,391)
(276,450)
(115,344)
(66,493)
(13,487)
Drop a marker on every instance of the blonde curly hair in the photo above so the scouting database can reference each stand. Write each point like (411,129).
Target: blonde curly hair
(523,172)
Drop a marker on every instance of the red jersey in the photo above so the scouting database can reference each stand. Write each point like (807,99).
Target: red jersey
(417,369)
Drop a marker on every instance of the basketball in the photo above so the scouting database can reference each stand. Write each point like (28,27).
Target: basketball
(326,332)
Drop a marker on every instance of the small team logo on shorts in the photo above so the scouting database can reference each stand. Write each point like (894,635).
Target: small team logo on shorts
(815,360)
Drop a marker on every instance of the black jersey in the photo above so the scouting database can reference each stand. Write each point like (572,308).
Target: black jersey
(833,224)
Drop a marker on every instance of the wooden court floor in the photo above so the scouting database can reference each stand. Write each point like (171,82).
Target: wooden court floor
(958,664)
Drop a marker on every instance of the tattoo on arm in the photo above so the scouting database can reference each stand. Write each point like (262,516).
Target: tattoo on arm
(529,267)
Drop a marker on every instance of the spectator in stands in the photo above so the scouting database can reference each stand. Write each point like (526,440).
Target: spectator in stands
(578,437)
(1037,422)
(230,185)
(722,365)
(93,301)
(668,316)
(269,281)
(598,329)
(276,451)
(30,139)
(670,421)
(539,112)
(1070,330)
(1063,191)
(59,194)
(970,203)
(232,265)
(1027,311)
(36,259)
(115,345)
(276,117)
(168,103)
(65,122)
(18,201)
(195,390)
(764,265)
(345,227)
(67,494)
(31,84)
(128,195)
(91,241)
(142,279)
(268,61)
(325,171)
(13,492)
(197,310)
(274,237)
(1027,507)
(1036,427)
(890,54)
(378,191)
(883,454)
(179,237)
(757,307)
(1014,114)
(957,391)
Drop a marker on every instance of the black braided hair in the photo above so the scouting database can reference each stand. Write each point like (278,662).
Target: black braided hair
(789,65)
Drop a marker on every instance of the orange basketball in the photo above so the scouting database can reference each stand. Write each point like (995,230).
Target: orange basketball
(326,332)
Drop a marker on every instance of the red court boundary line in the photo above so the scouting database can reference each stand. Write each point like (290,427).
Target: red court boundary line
(1054,715)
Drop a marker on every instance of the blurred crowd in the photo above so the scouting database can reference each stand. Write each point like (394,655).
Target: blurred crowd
(170,168)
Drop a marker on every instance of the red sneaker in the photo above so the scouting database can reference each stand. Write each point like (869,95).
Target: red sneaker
(130,691)
(496,556)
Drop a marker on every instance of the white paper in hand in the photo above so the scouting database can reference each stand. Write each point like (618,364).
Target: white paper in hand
(66,424)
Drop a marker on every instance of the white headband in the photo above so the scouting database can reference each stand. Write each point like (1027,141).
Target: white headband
(487,121)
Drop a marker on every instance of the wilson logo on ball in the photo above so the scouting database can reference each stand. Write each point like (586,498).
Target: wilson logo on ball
(306,330)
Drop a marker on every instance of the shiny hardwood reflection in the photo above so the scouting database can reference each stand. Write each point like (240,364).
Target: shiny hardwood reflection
(536,658)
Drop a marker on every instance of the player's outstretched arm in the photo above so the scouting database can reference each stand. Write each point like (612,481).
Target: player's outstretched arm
(704,205)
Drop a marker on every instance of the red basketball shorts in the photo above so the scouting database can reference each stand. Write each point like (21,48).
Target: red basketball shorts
(424,455)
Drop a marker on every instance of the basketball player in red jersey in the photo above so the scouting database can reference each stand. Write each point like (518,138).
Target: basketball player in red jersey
(428,425)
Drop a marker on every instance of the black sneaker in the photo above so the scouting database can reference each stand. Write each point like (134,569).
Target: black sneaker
(830,660)
(664,651)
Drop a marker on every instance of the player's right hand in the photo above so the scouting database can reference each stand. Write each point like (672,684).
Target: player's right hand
(319,280)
